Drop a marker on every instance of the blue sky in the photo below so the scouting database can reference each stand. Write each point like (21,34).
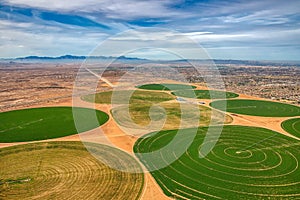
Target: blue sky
(256,30)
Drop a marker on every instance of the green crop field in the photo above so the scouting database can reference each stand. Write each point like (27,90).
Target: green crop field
(258,108)
(292,126)
(66,170)
(45,123)
(185,115)
(246,163)
(205,94)
(127,96)
(166,86)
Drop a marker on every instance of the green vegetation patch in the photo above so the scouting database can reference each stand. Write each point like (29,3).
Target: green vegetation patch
(66,170)
(166,86)
(167,115)
(127,96)
(47,122)
(292,126)
(245,163)
(257,108)
(205,94)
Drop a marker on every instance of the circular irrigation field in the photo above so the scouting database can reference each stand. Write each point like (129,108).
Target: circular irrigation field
(166,86)
(66,170)
(292,126)
(245,163)
(45,123)
(205,94)
(257,108)
(144,116)
(127,96)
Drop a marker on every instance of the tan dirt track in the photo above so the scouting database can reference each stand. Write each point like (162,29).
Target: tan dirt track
(117,137)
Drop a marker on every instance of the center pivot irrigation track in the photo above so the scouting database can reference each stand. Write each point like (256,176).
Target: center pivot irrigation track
(292,126)
(205,94)
(166,86)
(66,170)
(257,108)
(246,163)
(127,96)
(47,122)
(184,116)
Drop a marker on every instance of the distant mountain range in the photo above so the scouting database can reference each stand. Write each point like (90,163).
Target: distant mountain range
(72,58)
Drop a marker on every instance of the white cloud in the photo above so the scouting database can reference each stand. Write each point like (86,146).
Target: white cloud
(125,9)
(197,33)
(177,37)
(218,24)
(266,17)
(23,39)
(55,4)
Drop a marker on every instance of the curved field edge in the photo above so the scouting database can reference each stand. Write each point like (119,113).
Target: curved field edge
(165,86)
(292,126)
(177,115)
(127,97)
(235,172)
(67,170)
(42,123)
(205,94)
(262,108)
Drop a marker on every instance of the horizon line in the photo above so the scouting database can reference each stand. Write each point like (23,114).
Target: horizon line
(140,58)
